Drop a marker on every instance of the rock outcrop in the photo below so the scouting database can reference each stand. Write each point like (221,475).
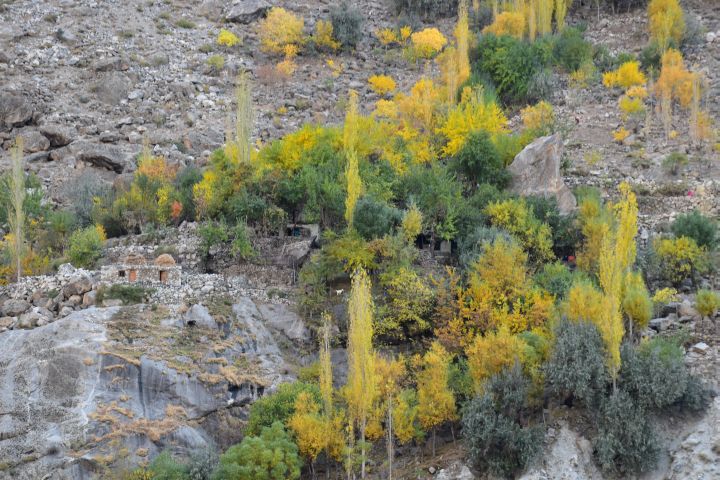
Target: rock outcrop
(77,391)
(536,171)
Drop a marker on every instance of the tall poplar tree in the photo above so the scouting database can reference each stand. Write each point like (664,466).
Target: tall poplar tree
(352,168)
(16,213)
(361,382)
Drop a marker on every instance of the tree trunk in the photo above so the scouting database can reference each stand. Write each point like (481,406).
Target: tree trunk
(433,443)
(390,446)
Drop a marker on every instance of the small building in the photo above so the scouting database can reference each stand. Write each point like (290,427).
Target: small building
(135,269)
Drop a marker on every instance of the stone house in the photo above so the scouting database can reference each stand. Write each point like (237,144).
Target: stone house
(136,269)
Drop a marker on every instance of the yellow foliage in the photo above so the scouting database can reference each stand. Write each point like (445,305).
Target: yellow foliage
(227,38)
(279,29)
(404,417)
(309,427)
(335,69)
(637,91)
(386,108)
(626,76)
(581,77)
(419,108)
(323,36)
(664,296)
(539,117)
(516,216)
(675,81)
(203,192)
(666,22)
(405,33)
(680,258)
(499,274)
(620,134)
(462,44)
(490,354)
(428,42)
(155,168)
(412,223)
(408,304)
(471,114)
(631,106)
(387,36)
(352,169)
(507,23)
(584,302)
(436,402)
(381,84)
(594,224)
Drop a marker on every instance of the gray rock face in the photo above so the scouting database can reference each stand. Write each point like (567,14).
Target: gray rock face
(246,11)
(35,141)
(283,319)
(15,110)
(569,457)
(536,171)
(105,379)
(112,87)
(78,286)
(103,156)
(456,471)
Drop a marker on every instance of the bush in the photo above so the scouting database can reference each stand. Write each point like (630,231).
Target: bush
(164,467)
(212,234)
(279,29)
(674,162)
(697,226)
(494,425)
(679,258)
(556,278)
(479,161)
(81,192)
(707,302)
(129,294)
(626,442)
(278,406)
(374,218)
(511,64)
(696,396)
(347,25)
(654,374)
(86,246)
(202,464)
(576,367)
(471,246)
(427,43)
(650,57)
(565,232)
(271,456)
(572,50)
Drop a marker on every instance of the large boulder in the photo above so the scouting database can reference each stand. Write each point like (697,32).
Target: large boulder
(14,307)
(283,319)
(198,315)
(246,11)
(58,135)
(15,110)
(103,156)
(79,285)
(536,171)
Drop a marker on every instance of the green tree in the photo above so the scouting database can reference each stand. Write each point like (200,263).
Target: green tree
(271,456)
(479,161)
(278,406)
(86,246)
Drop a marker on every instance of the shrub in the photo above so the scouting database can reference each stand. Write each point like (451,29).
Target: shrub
(428,42)
(164,467)
(490,354)
(374,218)
(227,38)
(679,258)
(565,231)
(650,57)
(381,84)
(212,234)
(271,456)
(86,246)
(654,374)
(673,162)
(707,302)
(494,425)
(128,294)
(538,119)
(202,464)
(666,22)
(216,63)
(626,76)
(347,25)
(407,306)
(576,367)
(279,29)
(572,50)
(480,162)
(471,246)
(556,278)
(83,191)
(626,442)
(278,406)
(697,226)
(511,64)
(323,36)
(696,396)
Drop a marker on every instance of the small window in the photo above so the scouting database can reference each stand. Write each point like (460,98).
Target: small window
(132,276)
(163,276)
(121,273)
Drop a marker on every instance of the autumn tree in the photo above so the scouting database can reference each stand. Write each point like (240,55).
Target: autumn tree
(352,169)
(666,22)
(237,144)
(361,388)
(389,373)
(637,304)
(436,400)
(309,426)
(16,212)
(490,354)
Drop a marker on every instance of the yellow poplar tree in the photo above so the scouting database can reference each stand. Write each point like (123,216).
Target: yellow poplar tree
(436,400)
(561,9)
(16,213)
(544,17)
(238,149)
(309,426)
(352,168)
(462,39)
(361,382)
(326,380)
